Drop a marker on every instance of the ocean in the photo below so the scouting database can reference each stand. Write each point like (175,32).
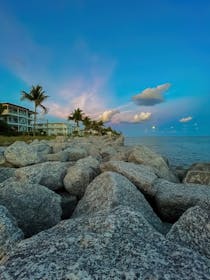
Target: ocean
(180,150)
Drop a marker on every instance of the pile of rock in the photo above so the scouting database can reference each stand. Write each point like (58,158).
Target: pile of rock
(126,214)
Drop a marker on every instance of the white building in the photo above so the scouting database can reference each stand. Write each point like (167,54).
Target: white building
(18,117)
(59,128)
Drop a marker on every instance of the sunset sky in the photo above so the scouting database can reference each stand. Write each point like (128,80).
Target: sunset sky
(142,66)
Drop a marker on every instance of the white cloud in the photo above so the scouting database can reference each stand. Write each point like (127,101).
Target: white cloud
(131,117)
(187,119)
(142,117)
(107,115)
(151,96)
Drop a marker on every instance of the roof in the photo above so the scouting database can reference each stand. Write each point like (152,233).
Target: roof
(21,107)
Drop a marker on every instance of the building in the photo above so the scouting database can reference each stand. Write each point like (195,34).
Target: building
(59,128)
(18,117)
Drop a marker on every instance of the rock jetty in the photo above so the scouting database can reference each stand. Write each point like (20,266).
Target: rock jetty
(93,208)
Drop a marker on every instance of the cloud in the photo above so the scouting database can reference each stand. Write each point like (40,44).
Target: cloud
(151,96)
(131,117)
(187,119)
(142,117)
(107,115)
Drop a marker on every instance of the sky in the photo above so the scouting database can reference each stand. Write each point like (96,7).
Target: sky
(140,66)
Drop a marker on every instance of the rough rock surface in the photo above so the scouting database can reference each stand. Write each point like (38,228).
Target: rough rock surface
(76,153)
(192,230)
(48,174)
(2,157)
(198,173)
(143,155)
(120,245)
(21,154)
(41,147)
(10,234)
(172,200)
(80,175)
(110,190)
(35,207)
(6,172)
(140,175)
(60,156)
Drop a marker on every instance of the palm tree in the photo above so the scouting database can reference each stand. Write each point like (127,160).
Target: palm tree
(77,116)
(36,95)
(87,123)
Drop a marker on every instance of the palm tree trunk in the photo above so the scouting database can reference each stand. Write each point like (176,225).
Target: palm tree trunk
(34,130)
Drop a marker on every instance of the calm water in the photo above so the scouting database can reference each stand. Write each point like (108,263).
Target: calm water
(179,150)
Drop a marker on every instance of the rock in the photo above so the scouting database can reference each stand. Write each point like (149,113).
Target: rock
(107,153)
(110,190)
(117,245)
(172,200)
(180,172)
(35,207)
(80,175)
(76,153)
(21,154)
(6,172)
(41,147)
(48,174)
(198,173)
(192,230)
(58,147)
(140,175)
(60,156)
(143,155)
(2,157)
(10,234)
(68,204)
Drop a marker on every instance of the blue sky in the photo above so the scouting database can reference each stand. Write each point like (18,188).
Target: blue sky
(141,65)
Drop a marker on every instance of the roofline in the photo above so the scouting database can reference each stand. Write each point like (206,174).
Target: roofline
(7,103)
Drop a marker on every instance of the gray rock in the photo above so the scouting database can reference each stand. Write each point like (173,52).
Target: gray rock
(60,156)
(80,175)
(172,200)
(180,172)
(48,174)
(10,234)
(192,230)
(143,155)
(2,157)
(118,245)
(110,190)
(6,172)
(140,175)
(21,154)
(68,204)
(41,147)
(59,146)
(76,153)
(35,207)
(198,173)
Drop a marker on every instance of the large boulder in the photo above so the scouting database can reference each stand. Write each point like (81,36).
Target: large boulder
(76,153)
(10,234)
(80,175)
(110,190)
(172,200)
(143,155)
(192,230)
(41,147)
(198,173)
(140,175)
(34,206)
(2,157)
(117,245)
(6,172)
(21,154)
(48,174)
(60,156)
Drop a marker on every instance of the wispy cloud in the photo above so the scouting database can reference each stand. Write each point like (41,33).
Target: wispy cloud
(186,119)
(151,96)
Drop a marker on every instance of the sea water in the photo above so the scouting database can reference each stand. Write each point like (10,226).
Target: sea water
(180,150)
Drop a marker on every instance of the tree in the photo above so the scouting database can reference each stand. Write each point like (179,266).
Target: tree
(87,122)
(36,95)
(77,116)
